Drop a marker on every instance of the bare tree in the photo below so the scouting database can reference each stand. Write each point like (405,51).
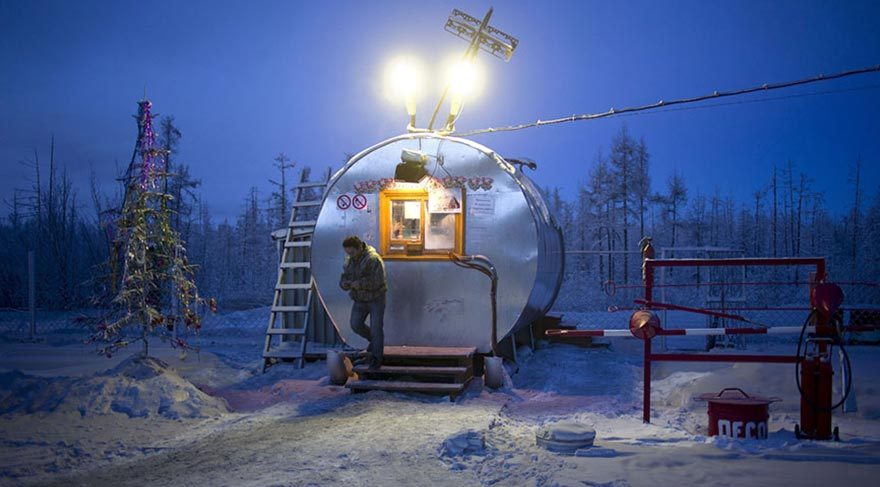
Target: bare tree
(856,180)
(279,196)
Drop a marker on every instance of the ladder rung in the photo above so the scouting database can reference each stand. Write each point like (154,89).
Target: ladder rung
(300,204)
(293,286)
(289,309)
(286,331)
(304,223)
(300,243)
(311,184)
(295,265)
(282,354)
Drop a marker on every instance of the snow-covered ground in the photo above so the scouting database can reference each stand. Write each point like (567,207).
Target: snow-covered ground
(71,418)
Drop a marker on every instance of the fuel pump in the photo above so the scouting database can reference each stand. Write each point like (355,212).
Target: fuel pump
(813,371)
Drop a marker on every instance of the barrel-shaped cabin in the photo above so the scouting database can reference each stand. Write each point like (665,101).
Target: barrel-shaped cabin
(417,198)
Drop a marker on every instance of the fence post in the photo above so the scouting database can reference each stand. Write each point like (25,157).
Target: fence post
(32,295)
(646,389)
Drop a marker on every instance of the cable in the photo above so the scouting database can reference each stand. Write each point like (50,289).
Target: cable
(758,100)
(679,101)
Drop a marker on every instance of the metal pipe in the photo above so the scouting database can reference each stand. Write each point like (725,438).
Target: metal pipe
(773,330)
(469,54)
(743,358)
(646,394)
(678,307)
(819,262)
(484,265)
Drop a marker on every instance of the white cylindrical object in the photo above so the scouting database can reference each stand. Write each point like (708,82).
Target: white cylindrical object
(493,374)
(338,367)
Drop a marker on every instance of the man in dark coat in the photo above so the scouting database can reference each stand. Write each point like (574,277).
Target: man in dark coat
(363,276)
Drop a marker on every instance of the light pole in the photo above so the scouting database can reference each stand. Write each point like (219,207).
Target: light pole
(403,76)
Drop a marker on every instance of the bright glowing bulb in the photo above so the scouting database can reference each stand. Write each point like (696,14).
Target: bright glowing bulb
(465,79)
(465,82)
(403,80)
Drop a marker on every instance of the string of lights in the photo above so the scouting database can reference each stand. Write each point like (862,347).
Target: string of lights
(680,101)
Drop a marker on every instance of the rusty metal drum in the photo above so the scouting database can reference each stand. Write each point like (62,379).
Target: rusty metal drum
(456,196)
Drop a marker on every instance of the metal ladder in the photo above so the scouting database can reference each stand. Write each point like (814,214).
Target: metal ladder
(294,289)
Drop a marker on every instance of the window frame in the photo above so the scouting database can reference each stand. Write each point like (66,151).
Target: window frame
(385,241)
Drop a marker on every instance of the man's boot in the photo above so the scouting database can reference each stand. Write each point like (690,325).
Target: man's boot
(366,358)
(375,362)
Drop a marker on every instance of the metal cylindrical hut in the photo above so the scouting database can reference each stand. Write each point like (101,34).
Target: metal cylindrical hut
(418,197)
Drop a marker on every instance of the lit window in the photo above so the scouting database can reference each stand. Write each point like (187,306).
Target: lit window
(406,220)
(440,234)
(408,230)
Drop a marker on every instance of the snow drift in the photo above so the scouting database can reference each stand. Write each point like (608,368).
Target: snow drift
(137,387)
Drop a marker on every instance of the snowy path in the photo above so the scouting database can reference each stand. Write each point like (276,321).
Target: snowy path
(376,441)
(293,429)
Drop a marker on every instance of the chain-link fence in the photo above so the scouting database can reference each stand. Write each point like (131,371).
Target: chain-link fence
(590,297)
(59,327)
(704,296)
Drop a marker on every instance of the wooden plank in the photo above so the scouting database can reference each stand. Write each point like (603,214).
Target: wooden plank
(411,370)
(293,286)
(286,331)
(290,354)
(304,223)
(300,204)
(429,352)
(289,309)
(295,265)
(311,184)
(404,386)
(301,243)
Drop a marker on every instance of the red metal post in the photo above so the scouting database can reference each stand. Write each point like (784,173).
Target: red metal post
(649,297)
(646,397)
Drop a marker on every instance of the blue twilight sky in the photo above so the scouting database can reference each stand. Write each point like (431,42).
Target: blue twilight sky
(245,80)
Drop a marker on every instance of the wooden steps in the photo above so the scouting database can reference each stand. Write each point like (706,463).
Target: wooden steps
(402,386)
(411,370)
(429,352)
(433,370)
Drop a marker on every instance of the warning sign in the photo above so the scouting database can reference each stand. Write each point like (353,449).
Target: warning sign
(343,202)
(360,201)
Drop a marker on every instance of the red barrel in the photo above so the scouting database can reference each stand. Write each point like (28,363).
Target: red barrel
(735,414)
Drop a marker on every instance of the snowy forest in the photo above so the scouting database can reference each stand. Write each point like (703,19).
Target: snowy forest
(618,203)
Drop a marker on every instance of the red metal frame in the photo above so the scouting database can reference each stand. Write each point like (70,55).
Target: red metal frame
(815,415)
(649,357)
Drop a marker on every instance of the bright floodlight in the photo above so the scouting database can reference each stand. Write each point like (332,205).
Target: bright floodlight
(403,78)
(465,81)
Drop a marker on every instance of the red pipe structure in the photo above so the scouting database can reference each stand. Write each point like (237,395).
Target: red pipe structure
(651,264)
(825,299)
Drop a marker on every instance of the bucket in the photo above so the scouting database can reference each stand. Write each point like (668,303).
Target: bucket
(735,414)
(493,376)
(338,367)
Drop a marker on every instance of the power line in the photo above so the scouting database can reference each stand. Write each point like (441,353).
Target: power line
(680,101)
(759,100)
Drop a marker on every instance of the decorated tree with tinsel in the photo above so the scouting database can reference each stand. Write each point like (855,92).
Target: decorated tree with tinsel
(156,292)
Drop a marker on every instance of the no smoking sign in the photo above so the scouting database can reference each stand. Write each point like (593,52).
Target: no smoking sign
(360,201)
(343,202)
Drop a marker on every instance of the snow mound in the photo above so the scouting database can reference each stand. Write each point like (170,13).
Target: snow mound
(464,444)
(137,387)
